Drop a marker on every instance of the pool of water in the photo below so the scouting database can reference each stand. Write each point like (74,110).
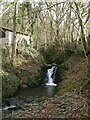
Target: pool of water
(29,95)
(25,96)
(48,91)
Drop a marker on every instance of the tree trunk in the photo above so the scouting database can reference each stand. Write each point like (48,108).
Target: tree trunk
(14,36)
(57,26)
(88,53)
(45,42)
(89,50)
(82,28)
(89,37)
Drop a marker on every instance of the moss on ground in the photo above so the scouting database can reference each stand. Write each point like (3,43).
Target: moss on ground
(83,81)
(65,88)
(75,78)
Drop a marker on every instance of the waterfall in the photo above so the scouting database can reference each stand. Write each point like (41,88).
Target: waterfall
(12,107)
(51,76)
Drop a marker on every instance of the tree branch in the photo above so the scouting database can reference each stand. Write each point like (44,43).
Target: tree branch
(7,9)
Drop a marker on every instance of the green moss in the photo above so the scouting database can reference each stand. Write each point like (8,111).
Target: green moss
(83,81)
(10,84)
(19,61)
(70,88)
(87,72)
(60,90)
(84,115)
(67,88)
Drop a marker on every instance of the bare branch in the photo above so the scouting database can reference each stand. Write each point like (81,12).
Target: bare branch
(6,9)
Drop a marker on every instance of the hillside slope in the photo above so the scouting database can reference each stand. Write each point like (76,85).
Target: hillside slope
(76,77)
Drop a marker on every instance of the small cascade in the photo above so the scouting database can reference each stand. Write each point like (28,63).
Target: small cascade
(12,107)
(51,76)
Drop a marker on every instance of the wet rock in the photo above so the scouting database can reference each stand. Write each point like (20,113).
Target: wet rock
(24,86)
(63,109)
(43,111)
(29,100)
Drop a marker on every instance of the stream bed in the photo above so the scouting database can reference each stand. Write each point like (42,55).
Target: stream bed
(37,95)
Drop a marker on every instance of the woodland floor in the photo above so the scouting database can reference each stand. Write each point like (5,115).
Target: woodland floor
(71,100)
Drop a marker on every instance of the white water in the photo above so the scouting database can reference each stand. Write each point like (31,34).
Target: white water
(49,75)
(8,107)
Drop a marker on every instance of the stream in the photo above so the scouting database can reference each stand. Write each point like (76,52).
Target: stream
(32,95)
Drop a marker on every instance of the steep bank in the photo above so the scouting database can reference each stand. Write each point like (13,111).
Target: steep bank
(25,72)
(75,77)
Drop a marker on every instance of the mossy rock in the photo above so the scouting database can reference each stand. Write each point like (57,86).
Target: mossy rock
(10,84)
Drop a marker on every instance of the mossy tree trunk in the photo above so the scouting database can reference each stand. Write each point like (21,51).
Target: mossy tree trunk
(14,36)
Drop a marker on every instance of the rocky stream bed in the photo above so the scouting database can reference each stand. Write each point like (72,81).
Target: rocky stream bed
(69,105)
